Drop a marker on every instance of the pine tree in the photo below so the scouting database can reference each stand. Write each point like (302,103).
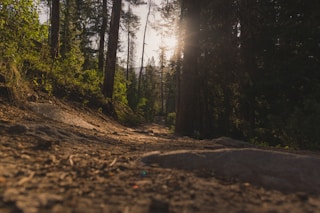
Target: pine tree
(185,123)
(112,49)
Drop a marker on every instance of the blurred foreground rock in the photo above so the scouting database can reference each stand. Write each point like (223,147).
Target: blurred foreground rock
(271,169)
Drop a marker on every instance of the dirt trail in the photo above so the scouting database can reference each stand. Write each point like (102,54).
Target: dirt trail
(57,157)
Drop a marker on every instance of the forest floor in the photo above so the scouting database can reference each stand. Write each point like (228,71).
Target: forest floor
(58,157)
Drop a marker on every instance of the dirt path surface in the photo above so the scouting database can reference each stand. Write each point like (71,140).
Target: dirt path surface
(56,157)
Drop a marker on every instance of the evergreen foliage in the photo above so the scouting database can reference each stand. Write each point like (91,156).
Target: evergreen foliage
(21,49)
(149,103)
(20,31)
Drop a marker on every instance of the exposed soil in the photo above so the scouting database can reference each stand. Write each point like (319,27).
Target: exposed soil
(57,157)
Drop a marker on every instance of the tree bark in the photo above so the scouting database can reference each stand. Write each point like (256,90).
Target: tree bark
(178,65)
(187,104)
(111,59)
(128,57)
(55,28)
(102,35)
(128,49)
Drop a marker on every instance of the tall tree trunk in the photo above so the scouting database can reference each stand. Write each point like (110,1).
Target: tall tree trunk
(102,35)
(108,83)
(178,63)
(128,57)
(55,28)
(162,57)
(128,50)
(143,46)
(186,111)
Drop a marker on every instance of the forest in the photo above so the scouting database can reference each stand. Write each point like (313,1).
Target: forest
(246,69)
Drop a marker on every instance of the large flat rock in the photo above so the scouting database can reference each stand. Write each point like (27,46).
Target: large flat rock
(271,169)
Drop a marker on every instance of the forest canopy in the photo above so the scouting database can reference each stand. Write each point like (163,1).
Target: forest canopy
(244,69)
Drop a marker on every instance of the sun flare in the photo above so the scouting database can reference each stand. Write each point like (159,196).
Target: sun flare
(170,42)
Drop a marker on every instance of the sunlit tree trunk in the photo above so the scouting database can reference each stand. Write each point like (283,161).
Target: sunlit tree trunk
(143,46)
(108,83)
(187,105)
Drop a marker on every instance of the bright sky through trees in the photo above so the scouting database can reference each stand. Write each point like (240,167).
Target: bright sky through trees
(154,40)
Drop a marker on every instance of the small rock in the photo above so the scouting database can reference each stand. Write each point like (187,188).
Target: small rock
(159,205)
(17,129)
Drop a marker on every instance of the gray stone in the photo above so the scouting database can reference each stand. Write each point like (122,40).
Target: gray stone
(275,170)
